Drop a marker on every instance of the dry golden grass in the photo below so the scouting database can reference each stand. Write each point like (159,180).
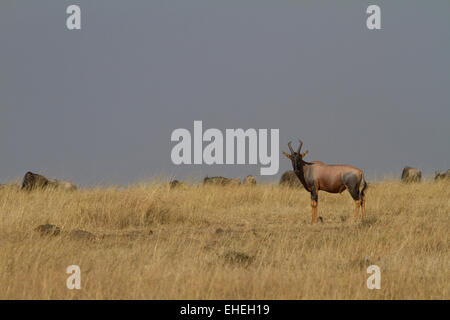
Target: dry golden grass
(226,243)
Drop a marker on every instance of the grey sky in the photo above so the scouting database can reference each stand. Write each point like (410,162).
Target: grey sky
(99,105)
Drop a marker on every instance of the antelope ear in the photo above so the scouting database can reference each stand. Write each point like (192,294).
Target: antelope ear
(305,153)
(287,155)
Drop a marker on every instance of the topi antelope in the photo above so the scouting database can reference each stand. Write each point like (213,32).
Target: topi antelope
(334,178)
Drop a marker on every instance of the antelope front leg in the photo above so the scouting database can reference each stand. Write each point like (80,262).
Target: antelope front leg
(314,211)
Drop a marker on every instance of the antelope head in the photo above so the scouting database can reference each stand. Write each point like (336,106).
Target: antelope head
(296,157)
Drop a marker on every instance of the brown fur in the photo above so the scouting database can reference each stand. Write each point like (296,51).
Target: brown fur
(336,178)
(329,177)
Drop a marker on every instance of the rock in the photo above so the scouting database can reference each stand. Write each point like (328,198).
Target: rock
(48,230)
(78,234)
(238,258)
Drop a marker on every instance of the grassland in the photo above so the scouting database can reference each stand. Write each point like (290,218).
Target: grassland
(212,242)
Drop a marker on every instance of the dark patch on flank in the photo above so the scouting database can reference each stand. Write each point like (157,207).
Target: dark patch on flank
(351,180)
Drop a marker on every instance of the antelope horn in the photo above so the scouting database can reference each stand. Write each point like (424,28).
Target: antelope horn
(300,146)
(290,147)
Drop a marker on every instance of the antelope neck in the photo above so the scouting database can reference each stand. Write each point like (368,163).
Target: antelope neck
(301,173)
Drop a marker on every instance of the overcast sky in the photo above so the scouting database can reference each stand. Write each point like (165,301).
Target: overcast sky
(98,105)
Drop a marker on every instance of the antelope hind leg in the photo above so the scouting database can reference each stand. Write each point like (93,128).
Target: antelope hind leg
(314,211)
(352,183)
(363,208)
(314,200)
(357,205)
